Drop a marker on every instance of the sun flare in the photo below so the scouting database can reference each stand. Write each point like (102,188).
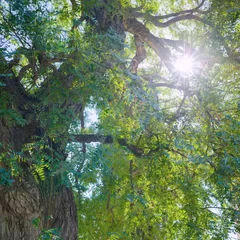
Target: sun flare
(184,65)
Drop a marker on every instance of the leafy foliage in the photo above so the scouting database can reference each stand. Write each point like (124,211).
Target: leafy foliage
(172,171)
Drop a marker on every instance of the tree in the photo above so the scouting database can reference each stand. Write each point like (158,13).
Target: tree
(170,152)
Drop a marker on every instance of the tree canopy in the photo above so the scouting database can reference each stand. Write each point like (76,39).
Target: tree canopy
(162,160)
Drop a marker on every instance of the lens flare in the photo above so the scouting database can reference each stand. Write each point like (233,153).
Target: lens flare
(184,65)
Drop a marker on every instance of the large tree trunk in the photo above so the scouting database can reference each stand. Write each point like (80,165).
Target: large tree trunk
(25,201)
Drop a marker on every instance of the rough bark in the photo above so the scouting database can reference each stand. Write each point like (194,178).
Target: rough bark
(139,56)
(22,203)
(25,201)
(19,205)
(158,45)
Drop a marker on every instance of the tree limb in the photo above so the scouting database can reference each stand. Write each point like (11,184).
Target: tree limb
(89,138)
(13,84)
(138,152)
(139,56)
(134,149)
(190,16)
(158,45)
(134,12)
(172,85)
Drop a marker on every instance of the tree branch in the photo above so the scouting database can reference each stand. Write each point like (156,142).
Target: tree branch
(134,149)
(158,45)
(89,138)
(179,45)
(139,56)
(138,152)
(134,12)
(74,5)
(167,85)
(13,84)
(175,20)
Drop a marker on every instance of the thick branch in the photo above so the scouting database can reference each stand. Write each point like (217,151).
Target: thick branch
(177,19)
(167,83)
(179,45)
(74,5)
(189,11)
(134,149)
(13,84)
(89,138)
(155,19)
(157,44)
(138,152)
(140,54)
(137,14)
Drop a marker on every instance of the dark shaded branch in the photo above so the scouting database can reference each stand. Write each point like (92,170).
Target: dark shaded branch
(14,62)
(178,152)
(15,88)
(175,20)
(189,11)
(74,5)
(23,71)
(89,138)
(134,149)
(212,165)
(138,152)
(135,13)
(13,84)
(181,104)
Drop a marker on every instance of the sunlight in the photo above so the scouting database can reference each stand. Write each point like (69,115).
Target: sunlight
(184,65)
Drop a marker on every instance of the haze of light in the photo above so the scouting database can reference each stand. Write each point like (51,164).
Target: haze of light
(184,64)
